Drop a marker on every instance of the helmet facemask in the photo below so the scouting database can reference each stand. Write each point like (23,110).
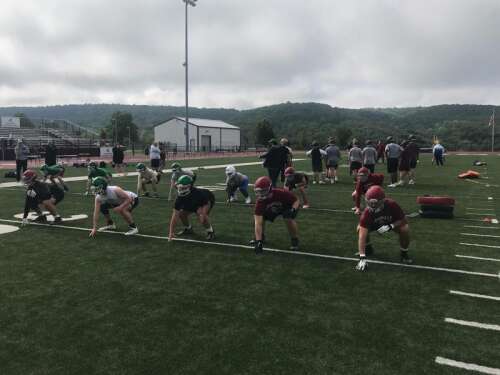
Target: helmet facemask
(375,205)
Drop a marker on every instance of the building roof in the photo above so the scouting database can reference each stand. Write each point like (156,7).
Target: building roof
(204,123)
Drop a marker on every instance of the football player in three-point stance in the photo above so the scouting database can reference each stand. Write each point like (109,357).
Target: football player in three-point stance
(41,195)
(191,200)
(270,203)
(364,181)
(146,176)
(382,215)
(94,172)
(177,172)
(113,197)
(236,181)
(297,180)
(54,172)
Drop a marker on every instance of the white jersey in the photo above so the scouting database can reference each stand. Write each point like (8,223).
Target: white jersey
(112,198)
(148,175)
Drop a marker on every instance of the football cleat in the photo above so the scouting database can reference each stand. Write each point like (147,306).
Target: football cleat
(107,227)
(306,206)
(132,231)
(258,247)
(248,200)
(40,219)
(405,258)
(188,230)
(57,220)
(210,235)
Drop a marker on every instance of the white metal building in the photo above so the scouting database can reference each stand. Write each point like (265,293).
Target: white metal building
(204,135)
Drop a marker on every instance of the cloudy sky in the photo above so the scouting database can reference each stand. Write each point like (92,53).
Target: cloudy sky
(244,54)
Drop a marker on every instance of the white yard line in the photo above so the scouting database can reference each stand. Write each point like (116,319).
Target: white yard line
(467,366)
(491,327)
(478,258)
(479,214)
(480,209)
(315,255)
(479,227)
(479,235)
(479,245)
(474,295)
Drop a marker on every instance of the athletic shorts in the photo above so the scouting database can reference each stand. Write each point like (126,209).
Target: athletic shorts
(404,165)
(106,206)
(155,163)
(413,164)
(354,166)
(392,165)
(332,164)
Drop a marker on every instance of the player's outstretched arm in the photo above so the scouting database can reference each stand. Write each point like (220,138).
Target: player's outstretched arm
(173,223)
(95,217)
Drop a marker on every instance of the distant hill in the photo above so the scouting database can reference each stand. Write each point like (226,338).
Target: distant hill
(459,126)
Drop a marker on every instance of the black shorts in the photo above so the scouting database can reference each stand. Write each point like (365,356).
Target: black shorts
(392,165)
(57,193)
(155,163)
(118,160)
(332,165)
(371,167)
(413,164)
(106,206)
(354,166)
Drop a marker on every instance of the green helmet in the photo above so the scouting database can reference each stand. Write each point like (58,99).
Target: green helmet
(175,167)
(183,185)
(44,167)
(140,167)
(92,165)
(99,184)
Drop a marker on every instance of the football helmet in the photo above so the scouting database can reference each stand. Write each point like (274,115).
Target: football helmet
(92,166)
(140,167)
(230,170)
(44,167)
(262,188)
(29,176)
(363,174)
(289,171)
(175,167)
(99,184)
(375,198)
(184,185)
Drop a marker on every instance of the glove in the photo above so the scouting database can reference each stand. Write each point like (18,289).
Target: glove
(25,222)
(86,193)
(362,264)
(259,246)
(385,228)
(290,214)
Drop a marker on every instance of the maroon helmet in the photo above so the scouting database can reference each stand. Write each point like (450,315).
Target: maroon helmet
(29,176)
(262,187)
(289,171)
(375,198)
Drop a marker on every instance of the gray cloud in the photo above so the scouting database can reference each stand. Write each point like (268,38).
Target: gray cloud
(244,54)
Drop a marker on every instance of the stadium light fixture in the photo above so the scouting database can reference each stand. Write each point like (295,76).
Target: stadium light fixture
(186,67)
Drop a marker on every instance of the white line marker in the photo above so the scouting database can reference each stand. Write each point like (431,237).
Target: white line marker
(458,293)
(315,255)
(479,235)
(479,209)
(478,258)
(490,198)
(479,227)
(492,327)
(479,245)
(467,366)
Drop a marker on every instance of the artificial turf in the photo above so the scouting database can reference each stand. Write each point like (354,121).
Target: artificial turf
(135,305)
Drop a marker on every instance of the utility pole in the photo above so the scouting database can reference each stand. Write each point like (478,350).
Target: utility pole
(186,66)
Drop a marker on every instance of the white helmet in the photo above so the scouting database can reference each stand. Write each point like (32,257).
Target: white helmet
(230,170)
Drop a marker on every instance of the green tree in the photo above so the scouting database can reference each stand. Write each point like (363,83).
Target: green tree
(263,132)
(120,126)
(103,134)
(343,136)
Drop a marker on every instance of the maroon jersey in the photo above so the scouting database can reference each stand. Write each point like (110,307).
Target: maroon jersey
(404,160)
(362,187)
(413,151)
(279,201)
(380,149)
(388,215)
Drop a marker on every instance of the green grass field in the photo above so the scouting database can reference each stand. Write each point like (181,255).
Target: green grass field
(140,305)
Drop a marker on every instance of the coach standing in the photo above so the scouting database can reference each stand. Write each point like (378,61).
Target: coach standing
(392,152)
(275,160)
(22,152)
(154,156)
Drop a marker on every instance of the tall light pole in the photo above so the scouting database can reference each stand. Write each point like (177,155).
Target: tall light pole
(193,4)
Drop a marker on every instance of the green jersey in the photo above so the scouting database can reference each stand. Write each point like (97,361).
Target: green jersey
(53,171)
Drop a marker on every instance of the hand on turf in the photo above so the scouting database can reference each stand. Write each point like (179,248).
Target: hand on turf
(362,264)
(385,228)
(25,222)
(93,232)
(259,246)
(171,237)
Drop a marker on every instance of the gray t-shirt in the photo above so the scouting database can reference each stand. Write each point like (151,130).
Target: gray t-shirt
(332,154)
(369,155)
(355,154)
(393,151)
